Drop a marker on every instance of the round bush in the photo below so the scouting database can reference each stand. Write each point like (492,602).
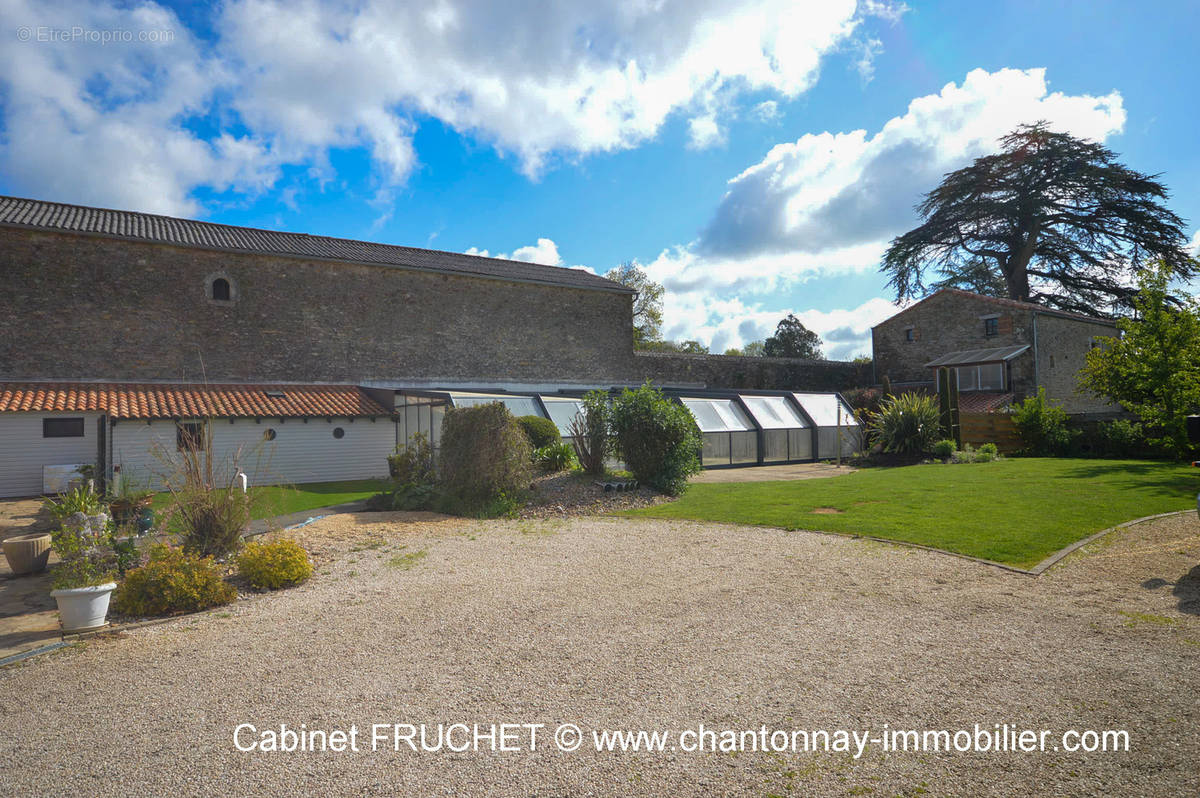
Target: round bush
(945,449)
(485,460)
(657,438)
(171,582)
(541,432)
(274,564)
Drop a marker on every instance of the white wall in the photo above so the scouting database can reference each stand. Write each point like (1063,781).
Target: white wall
(23,450)
(301,452)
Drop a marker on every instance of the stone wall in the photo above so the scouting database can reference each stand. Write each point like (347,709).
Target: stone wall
(941,324)
(85,307)
(951,322)
(725,371)
(1062,346)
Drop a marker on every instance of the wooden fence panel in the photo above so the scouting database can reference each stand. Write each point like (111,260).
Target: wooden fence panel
(997,428)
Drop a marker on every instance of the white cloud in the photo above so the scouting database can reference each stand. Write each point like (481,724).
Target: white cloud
(1195,245)
(868,50)
(766,111)
(571,78)
(704,132)
(104,123)
(828,203)
(724,323)
(298,78)
(545,252)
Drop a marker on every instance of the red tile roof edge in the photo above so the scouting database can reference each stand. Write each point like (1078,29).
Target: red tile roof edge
(180,400)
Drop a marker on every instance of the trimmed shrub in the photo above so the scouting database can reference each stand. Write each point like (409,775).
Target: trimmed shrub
(172,582)
(987,453)
(907,424)
(412,464)
(556,457)
(945,449)
(1042,426)
(590,432)
(275,564)
(657,438)
(541,432)
(484,456)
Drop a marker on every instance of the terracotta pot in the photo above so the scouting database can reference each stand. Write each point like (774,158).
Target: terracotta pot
(27,554)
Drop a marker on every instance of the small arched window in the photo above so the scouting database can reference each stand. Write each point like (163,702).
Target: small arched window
(221,291)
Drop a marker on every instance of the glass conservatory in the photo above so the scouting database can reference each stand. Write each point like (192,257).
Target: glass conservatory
(730,437)
(834,420)
(786,436)
(562,410)
(738,427)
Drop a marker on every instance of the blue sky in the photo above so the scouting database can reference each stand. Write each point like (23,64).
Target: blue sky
(755,157)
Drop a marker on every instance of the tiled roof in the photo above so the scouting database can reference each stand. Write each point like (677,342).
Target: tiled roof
(41,215)
(1003,302)
(982,401)
(153,400)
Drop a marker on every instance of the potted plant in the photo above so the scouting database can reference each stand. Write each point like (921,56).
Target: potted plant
(83,580)
(130,501)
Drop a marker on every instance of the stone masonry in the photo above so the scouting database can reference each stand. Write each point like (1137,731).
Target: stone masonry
(951,321)
(85,307)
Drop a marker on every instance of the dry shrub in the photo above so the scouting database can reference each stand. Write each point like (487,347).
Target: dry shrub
(484,462)
(208,510)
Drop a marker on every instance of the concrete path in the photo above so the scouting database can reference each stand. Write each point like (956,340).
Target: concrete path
(771,473)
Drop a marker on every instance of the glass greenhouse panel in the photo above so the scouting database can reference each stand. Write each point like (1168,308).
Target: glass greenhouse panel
(743,447)
(517,405)
(562,413)
(717,415)
(774,412)
(823,408)
(715,450)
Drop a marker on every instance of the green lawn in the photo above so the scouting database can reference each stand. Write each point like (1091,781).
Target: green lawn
(272,500)
(1016,511)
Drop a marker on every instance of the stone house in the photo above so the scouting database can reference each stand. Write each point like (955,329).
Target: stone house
(1001,350)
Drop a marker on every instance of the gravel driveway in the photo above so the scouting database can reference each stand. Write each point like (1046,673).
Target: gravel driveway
(638,624)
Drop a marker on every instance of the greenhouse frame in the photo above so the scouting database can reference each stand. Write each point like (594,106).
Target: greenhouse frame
(739,427)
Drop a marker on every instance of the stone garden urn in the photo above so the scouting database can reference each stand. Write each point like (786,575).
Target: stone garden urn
(27,554)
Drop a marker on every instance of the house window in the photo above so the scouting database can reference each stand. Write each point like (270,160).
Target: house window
(910,334)
(991,326)
(62,427)
(221,291)
(984,377)
(189,437)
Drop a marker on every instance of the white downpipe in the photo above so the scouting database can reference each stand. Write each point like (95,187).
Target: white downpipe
(244,480)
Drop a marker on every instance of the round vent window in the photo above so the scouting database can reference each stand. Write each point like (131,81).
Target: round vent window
(269,435)
(339,433)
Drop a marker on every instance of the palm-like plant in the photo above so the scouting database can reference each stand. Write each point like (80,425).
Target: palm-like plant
(907,424)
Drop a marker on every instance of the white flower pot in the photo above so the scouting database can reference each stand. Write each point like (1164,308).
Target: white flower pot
(83,608)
